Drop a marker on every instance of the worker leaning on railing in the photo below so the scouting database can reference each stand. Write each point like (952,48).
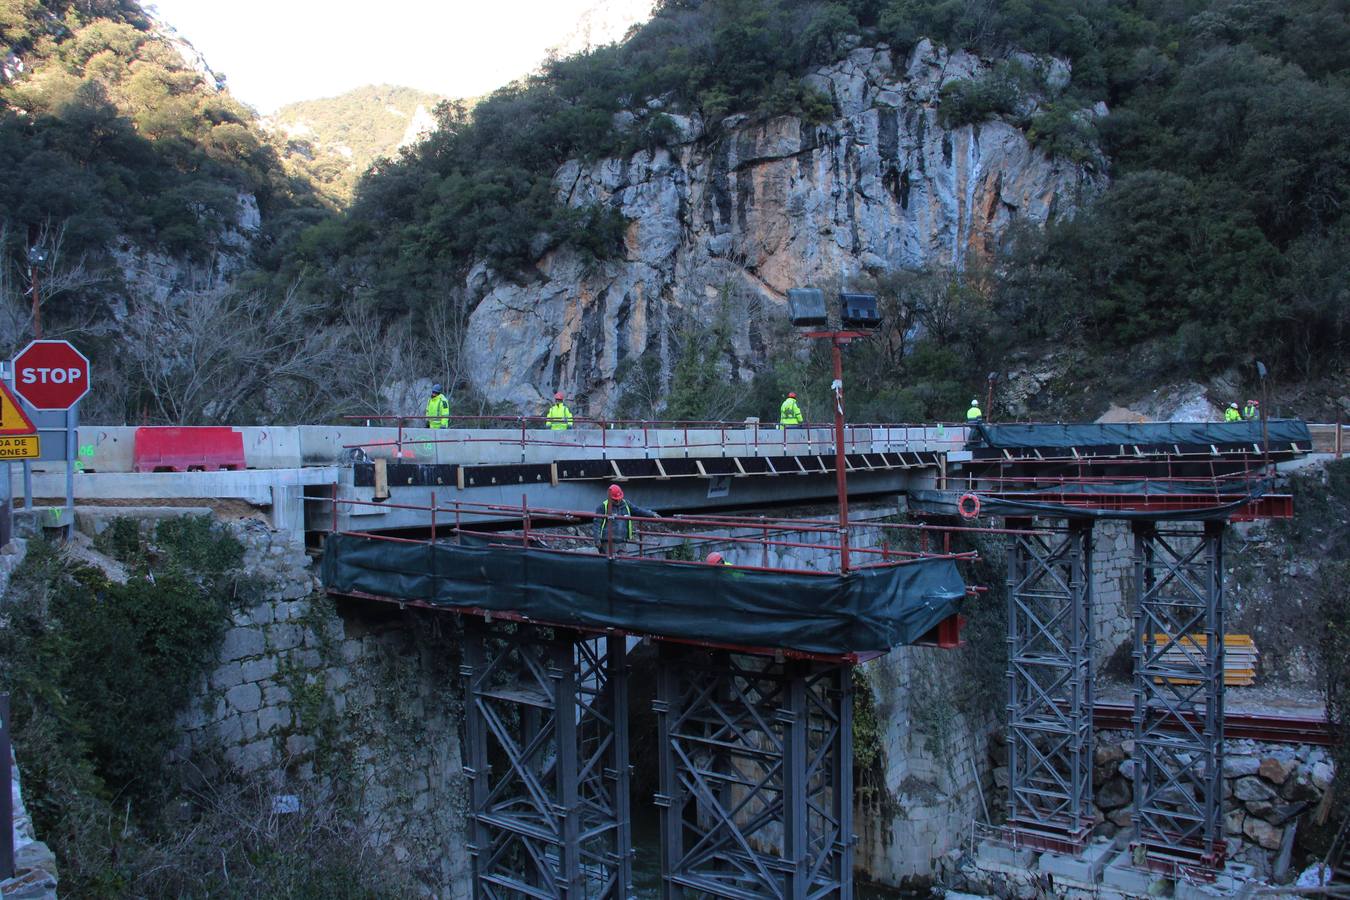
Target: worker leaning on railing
(615,505)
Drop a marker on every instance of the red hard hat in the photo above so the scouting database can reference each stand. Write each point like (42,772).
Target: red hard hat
(792,394)
(558,396)
(615,492)
(1254,402)
(714,559)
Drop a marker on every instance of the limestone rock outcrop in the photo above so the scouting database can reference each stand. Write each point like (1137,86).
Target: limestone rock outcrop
(723,221)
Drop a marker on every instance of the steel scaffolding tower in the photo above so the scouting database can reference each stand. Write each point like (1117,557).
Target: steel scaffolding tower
(546,753)
(1050,686)
(1178,694)
(756,769)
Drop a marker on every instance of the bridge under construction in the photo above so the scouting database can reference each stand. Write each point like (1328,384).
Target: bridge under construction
(754,680)
(755,658)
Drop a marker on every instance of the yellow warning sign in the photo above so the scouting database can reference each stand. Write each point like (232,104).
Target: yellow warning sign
(24,446)
(13,420)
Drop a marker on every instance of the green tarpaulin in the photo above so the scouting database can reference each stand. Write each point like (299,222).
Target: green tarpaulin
(1283,433)
(871,609)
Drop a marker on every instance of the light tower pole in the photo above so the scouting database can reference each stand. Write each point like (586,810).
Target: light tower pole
(37,258)
(859,310)
(838,339)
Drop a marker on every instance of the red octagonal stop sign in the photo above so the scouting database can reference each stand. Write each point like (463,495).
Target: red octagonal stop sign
(51,374)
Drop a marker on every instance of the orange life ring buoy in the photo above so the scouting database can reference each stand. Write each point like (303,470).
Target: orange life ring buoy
(968,512)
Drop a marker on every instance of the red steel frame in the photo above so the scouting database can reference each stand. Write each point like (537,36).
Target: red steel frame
(946,635)
(1256,726)
(1216,489)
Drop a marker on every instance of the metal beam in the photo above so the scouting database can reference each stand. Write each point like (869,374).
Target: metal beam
(756,787)
(1179,695)
(546,753)
(1050,737)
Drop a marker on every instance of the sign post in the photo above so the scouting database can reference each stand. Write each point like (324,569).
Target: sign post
(53,375)
(18,440)
(7,797)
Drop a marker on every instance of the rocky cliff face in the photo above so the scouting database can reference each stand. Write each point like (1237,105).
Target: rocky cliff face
(762,207)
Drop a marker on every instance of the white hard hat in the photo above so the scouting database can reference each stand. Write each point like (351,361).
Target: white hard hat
(975,402)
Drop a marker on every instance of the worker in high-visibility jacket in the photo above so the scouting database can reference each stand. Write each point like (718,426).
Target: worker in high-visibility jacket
(612,506)
(438,409)
(974,414)
(559,416)
(1231,414)
(790,413)
(1251,411)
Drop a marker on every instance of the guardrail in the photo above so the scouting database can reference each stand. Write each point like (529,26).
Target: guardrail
(606,435)
(544,528)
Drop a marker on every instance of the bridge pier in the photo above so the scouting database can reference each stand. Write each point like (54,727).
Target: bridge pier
(546,753)
(1050,742)
(1179,694)
(756,775)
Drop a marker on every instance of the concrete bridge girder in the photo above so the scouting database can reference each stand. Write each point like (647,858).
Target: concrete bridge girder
(686,494)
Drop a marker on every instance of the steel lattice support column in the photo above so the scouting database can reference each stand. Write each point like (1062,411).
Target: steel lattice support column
(1050,685)
(546,753)
(756,767)
(1178,693)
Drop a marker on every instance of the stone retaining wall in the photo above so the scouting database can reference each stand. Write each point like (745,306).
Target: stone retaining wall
(364,703)
(1112,588)
(933,768)
(1267,788)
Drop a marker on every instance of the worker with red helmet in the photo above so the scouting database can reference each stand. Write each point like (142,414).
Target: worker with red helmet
(1251,411)
(559,416)
(614,506)
(790,413)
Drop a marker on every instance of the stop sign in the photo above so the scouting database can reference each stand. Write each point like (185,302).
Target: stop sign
(51,375)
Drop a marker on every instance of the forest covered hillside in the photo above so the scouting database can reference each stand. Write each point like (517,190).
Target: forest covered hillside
(109,130)
(335,139)
(1224,128)
(1211,140)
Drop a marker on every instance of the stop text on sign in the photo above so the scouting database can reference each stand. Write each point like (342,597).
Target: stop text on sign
(50,376)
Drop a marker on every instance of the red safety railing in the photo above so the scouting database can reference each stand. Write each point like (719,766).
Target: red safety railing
(1159,484)
(749,541)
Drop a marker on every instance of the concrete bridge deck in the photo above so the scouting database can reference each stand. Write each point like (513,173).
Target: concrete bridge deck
(504,466)
(111,448)
(742,465)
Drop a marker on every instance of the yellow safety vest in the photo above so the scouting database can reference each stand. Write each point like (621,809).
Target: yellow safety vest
(789,413)
(1232,415)
(623,510)
(1249,412)
(438,411)
(973,413)
(559,417)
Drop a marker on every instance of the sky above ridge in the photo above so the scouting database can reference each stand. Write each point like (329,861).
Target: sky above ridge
(275,52)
